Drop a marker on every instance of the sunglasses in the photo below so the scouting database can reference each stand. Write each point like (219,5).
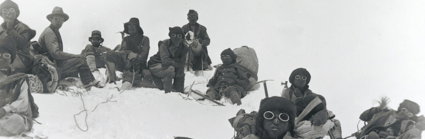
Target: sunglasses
(8,10)
(270,116)
(177,35)
(5,55)
(298,77)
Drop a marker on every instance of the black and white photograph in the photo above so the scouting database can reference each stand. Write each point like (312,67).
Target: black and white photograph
(222,69)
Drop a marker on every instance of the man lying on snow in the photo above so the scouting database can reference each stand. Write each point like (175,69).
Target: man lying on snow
(68,65)
(229,80)
(168,63)
(312,115)
(383,123)
(131,57)
(17,108)
(95,53)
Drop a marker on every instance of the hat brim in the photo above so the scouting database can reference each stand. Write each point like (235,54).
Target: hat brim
(50,16)
(90,38)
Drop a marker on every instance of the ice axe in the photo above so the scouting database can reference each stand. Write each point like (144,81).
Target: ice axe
(265,86)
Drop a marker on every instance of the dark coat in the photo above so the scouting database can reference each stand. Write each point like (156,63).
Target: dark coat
(168,55)
(229,75)
(138,44)
(318,114)
(200,32)
(98,52)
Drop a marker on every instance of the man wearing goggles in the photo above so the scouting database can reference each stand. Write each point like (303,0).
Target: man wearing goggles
(275,119)
(311,107)
(12,27)
(16,102)
(383,122)
(167,65)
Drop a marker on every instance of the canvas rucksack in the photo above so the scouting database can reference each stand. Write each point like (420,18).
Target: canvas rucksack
(247,58)
(243,123)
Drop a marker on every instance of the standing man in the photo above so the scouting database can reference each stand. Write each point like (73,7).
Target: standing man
(198,60)
(12,27)
(67,64)
(131,57)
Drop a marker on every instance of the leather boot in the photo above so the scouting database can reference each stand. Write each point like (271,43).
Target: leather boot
(235,97)
(167,82)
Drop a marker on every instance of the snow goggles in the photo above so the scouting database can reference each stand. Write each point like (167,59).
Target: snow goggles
(300,77)
(8,10)
(270,116)
(177,35)
(5,55)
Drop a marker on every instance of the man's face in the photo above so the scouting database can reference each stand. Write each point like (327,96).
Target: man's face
(57,21)
(405,114)
(226,59)
(176,38)
(300,81)
(132,29)
(5,60)
(9,14)
(275,123)
(95,41)
(193,18)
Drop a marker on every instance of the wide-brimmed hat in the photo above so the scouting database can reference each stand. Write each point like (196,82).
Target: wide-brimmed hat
(57,11)
(134,21)
(96,33)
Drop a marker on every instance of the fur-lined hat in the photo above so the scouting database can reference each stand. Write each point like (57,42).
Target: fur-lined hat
(409,105)
(96,34)
(300,71)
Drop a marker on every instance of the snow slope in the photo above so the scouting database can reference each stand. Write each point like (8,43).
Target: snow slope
(356,51)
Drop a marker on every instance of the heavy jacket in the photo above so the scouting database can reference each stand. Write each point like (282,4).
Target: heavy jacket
(201,35)
(383,119)
(15,100)
(22,34)
(98,52)
(169,56)
(318,114)
(138,44)
(229,75)
(51,39)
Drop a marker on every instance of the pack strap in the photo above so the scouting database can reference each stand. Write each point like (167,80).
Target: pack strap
(316,101)
(12,78)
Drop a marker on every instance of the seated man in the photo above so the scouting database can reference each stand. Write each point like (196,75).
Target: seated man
(95,52)
(229,79)
(68,65)
(168,64)
(16,102)
(275,119)
(131,57)
(312,114)
(383,122)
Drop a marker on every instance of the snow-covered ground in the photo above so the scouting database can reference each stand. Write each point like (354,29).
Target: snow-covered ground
(356,51)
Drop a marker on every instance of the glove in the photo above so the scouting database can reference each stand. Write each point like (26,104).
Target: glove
(2,112)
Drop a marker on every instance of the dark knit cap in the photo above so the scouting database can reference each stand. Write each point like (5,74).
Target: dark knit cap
(409,105)
(134,21)
(191,11)
(96,33)
(7,4)
(300,71)
(175,30)
(276,104)
(229,52)
(8,45)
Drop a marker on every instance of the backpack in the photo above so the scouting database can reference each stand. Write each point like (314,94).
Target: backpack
(247,58)
(243,123)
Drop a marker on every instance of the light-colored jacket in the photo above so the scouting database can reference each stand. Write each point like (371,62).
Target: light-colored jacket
(51,39)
